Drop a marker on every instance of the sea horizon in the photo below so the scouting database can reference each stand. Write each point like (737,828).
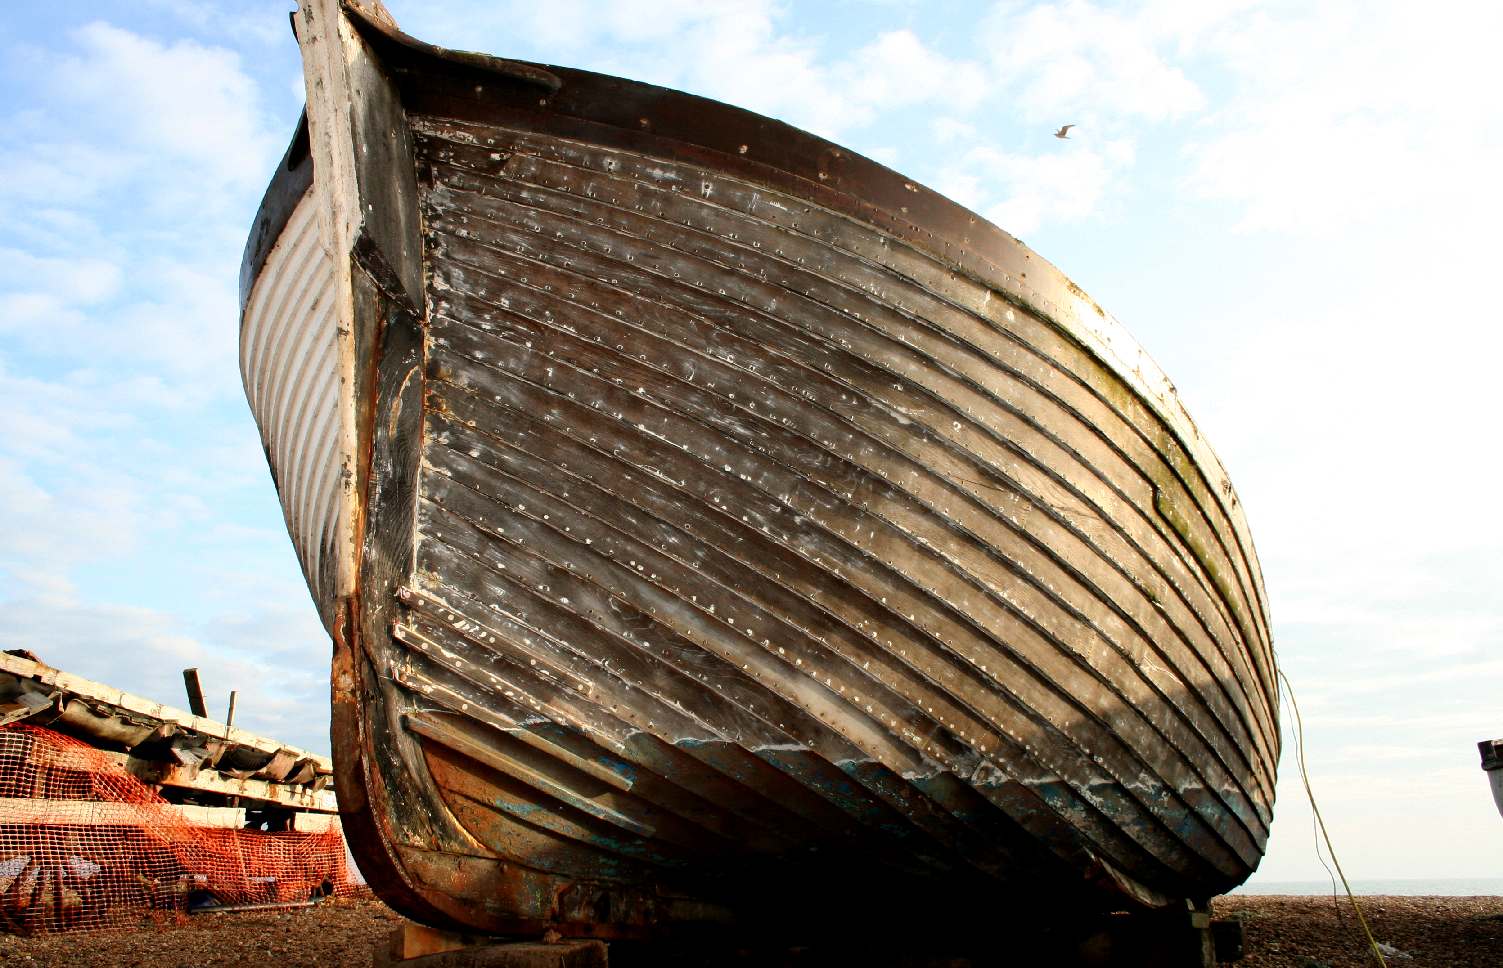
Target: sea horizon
(1393,886)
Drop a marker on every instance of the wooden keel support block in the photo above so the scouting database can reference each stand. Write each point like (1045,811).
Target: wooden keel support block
(1172,938)
(418,946)
(1228,940)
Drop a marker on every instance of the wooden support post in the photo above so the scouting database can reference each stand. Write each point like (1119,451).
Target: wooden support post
(417,946)
(195,694)
(229,717)
(1228,940)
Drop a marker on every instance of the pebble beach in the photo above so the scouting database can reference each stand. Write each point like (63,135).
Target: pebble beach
(1280,932)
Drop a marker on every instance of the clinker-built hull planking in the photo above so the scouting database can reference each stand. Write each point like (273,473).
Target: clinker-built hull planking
(711,522)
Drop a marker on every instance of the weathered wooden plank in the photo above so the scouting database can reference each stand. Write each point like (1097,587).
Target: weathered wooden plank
(207,780)
(27,703)
(195,693)
(684,187)
(94,813)
(621,545)
(509,198)
(636,376)
(632,410)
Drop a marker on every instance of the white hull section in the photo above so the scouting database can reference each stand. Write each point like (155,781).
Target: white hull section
(289,364)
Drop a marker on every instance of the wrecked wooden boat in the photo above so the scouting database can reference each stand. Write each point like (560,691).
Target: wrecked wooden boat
(712,524)
(192,758)
(116,810)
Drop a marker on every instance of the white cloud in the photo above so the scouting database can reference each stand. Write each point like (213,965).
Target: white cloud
(50,420)
(186,331)
(1375,680)
(644,21)
(898,70)
(54,529)
(214,18)
(1022,191)
(1041,187)
(1105,70)
(129,468)
(37,168)
(1075,61)
(45,298)
(183,103)
(740,57)
(737,51)
(947,130)
(1187,23)
(169,148)
(1400,115)
(126,129)
(81,280)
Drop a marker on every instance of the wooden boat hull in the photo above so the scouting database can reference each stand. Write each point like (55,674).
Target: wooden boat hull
(711,523)
(1492,765)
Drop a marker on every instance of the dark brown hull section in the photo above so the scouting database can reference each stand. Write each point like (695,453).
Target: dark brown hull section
(743,531)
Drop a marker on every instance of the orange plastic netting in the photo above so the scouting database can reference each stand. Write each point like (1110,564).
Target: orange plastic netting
(85,845)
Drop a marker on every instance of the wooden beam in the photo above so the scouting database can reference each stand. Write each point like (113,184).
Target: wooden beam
(38,811)
(209,781)
(195,693)
(95,813)
(416,944)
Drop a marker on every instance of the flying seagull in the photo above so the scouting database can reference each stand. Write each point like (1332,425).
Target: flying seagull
(1064,131)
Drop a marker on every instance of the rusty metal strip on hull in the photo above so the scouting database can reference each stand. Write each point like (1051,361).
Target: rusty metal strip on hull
(710,516)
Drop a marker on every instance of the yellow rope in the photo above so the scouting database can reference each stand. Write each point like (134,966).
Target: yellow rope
(1299,739)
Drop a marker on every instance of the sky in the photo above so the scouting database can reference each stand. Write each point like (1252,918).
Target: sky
(1294,207)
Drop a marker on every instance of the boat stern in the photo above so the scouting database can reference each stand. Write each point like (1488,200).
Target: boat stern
(1492,763)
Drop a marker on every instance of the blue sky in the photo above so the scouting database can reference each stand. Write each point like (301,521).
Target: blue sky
(1294,207)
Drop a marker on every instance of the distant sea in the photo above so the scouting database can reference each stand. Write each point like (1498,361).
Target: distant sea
(1439,887)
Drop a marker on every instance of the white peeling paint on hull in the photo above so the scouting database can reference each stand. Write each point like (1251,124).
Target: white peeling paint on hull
(287,364)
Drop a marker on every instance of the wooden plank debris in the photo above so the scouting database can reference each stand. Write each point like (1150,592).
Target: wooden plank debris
(28,703)
(95,813)
(101,695)
(161,774)
(195,692)
(198,758)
